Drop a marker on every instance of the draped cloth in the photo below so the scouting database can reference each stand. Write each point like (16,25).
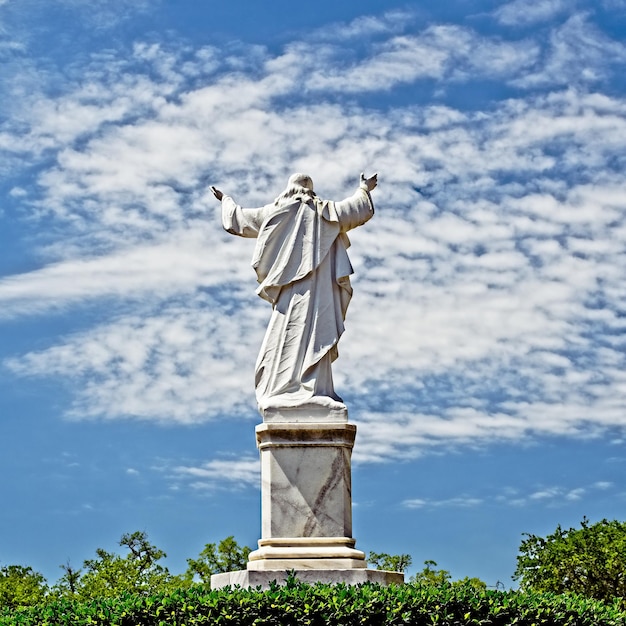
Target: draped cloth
(303,270)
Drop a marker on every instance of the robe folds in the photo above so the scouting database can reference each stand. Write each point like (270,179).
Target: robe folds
(303,270)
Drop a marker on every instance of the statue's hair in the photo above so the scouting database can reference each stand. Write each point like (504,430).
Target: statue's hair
(297,185)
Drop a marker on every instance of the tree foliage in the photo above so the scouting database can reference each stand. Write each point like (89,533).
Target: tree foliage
(590,560)
(109,575)
(69,583)
(430,576)
(390,562)
(227,556)
(21,586)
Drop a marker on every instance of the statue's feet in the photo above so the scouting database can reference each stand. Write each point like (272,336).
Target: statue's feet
(286,408)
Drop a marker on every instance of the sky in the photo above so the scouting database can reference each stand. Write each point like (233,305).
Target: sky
(484,355)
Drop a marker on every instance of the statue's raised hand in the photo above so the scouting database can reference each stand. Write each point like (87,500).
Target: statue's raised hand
(217,193)
(369,183)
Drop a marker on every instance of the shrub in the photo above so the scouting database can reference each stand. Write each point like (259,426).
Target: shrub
(299,604)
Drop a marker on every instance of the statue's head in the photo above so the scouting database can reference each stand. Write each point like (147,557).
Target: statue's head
(301,180)
(299,187)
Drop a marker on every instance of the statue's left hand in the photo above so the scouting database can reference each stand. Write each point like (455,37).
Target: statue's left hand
(369,183)
(217,193)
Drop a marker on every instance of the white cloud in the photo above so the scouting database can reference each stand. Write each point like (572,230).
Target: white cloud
(526,12)
(557,495)
(549,496)
(603,485)
(101,14)
(459,502)
(366,26)
(180,264)
(545,494)
(190,361)
(439,52)
(219,474)
(578,53)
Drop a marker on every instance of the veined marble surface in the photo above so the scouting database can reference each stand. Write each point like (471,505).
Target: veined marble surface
(306,480)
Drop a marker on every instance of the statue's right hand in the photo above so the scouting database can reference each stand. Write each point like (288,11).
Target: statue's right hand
(369,183)
(217,193)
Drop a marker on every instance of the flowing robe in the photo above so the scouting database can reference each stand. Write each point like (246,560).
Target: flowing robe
(303,270)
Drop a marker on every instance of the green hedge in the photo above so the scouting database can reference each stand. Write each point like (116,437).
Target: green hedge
(325,605)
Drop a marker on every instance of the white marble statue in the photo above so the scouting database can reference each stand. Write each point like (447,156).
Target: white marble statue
(303,270)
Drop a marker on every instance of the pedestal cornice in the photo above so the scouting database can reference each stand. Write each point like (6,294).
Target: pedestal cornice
(305,434)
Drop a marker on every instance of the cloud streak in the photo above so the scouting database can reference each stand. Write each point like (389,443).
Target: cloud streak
(185,364)
(219,474)
(549,496)
(527,12)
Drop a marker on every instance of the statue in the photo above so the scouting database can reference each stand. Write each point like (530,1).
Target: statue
(303,270)
(305,441)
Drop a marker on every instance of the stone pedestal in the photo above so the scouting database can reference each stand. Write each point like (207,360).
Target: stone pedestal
(255,579)
(306,504)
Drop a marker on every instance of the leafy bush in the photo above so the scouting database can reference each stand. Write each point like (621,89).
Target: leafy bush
(299,604)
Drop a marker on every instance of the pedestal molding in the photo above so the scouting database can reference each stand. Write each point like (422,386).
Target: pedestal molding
(308,413)
(292,550)
(296,435)
(347,542)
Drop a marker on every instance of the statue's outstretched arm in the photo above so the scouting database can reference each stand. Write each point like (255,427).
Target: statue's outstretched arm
(357,209)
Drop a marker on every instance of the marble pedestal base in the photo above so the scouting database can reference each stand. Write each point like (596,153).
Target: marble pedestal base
(280,553)
(306,504)
(253,579)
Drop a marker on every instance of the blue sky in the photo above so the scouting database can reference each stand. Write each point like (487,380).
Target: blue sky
(483,360)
